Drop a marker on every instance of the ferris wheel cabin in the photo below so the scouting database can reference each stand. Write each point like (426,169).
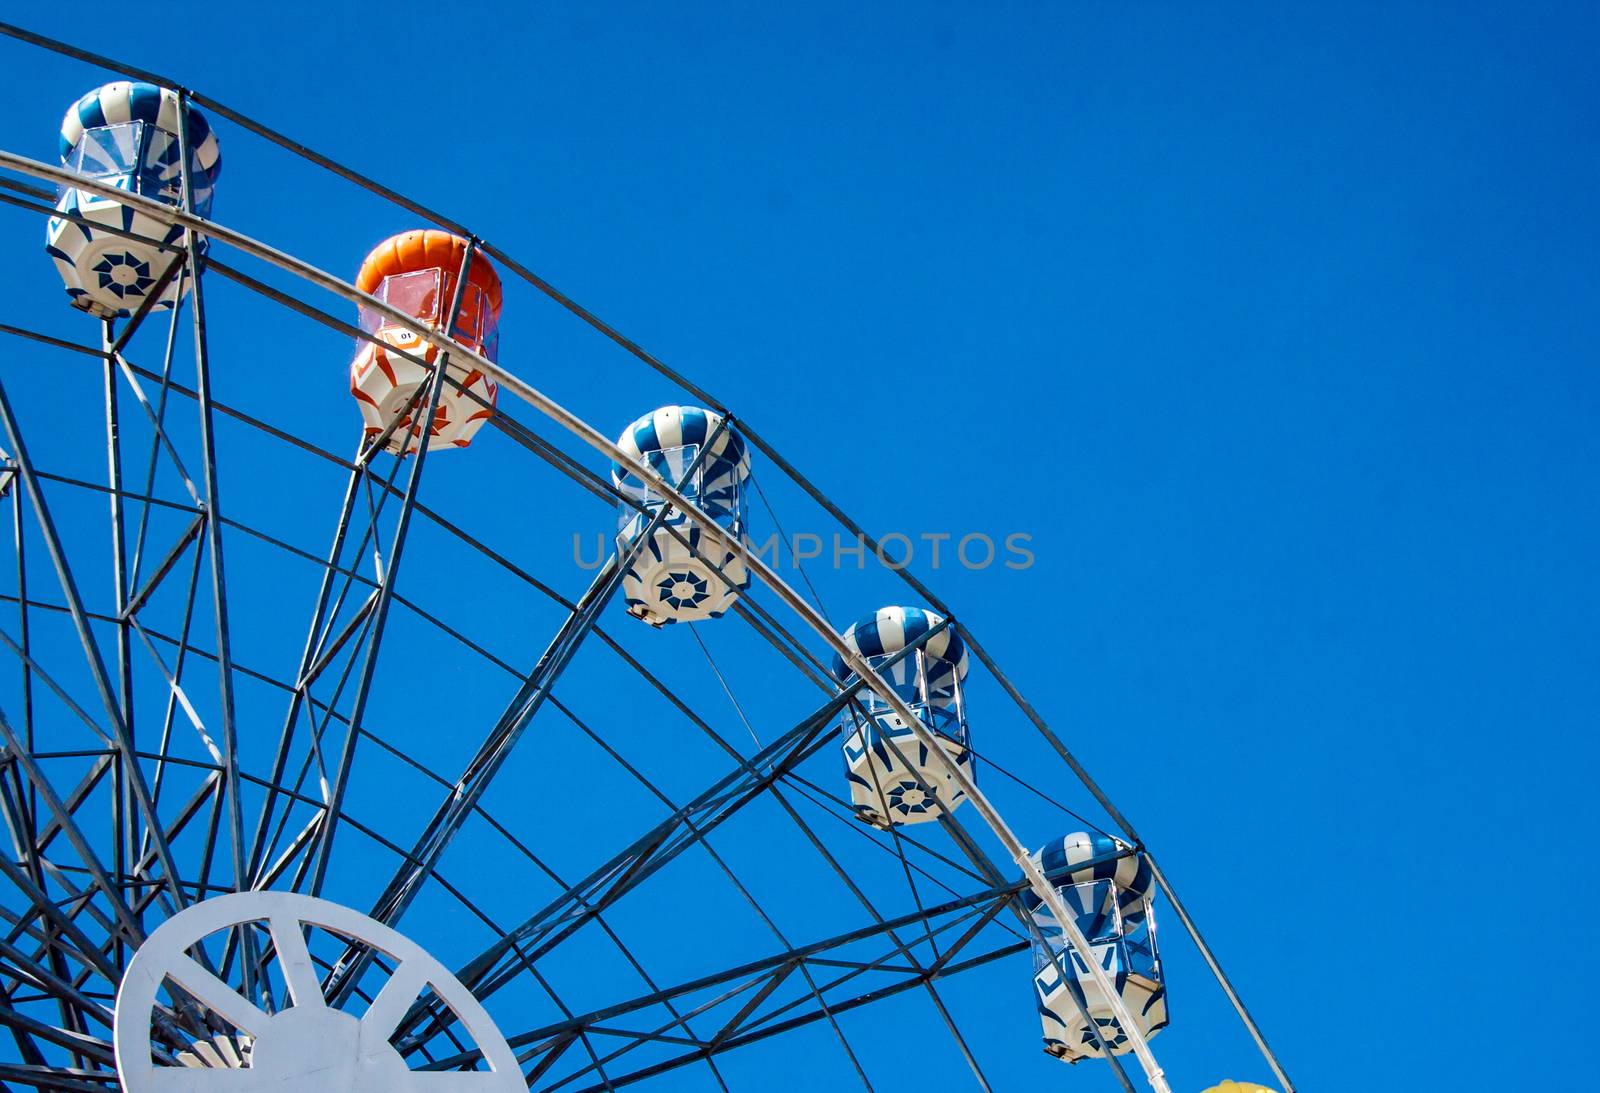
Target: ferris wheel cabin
(895,778)
(416,273)
(125,135)
(675,571)
(1107,888)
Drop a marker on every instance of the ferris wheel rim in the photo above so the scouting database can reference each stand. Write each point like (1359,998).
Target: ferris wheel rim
(573,424)
(577,427)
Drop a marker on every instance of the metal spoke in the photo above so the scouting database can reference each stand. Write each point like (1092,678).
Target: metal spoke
(231,796)
(386,589)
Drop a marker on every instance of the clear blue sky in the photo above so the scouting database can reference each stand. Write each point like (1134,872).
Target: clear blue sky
(1273,325)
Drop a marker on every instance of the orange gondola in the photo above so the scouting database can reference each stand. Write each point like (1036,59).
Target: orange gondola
(416,273)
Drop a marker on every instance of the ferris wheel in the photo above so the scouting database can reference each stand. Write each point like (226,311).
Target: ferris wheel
(324,767)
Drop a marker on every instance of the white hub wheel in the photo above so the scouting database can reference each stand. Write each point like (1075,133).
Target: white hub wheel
(308,1046)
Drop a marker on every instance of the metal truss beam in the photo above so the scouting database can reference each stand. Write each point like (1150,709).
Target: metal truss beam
(759,981)
(69,588)
(518,715)
(688,825)
(380,610)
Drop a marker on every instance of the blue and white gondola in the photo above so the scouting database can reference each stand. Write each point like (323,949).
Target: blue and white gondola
(1107,888)
(668,581)
(894,778)
(126,135)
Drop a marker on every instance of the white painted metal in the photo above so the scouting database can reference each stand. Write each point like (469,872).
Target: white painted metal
(308,1047)
(385,384)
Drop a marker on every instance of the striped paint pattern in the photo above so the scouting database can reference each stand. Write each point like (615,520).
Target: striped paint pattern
(125,101)
(891,629)
(667,582)
(1129,875)
(657,440)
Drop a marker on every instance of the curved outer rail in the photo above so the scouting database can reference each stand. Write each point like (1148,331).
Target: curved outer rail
(598,441)
(400,200)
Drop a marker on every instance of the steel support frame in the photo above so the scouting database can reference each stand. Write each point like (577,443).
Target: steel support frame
(518,715)
(232,797)
(687,825)
(380,611)
(761,977)
(143,801)
(631,347)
